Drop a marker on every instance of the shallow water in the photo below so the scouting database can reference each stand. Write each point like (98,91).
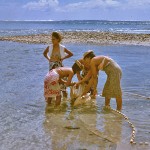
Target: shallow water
(27,123)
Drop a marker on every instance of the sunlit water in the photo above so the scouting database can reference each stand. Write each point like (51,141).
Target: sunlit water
(8,28)
(27,123)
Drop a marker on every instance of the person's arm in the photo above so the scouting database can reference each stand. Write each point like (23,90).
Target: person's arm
(62,81)
(45,53)
(79,76)
(94,75)
(68,82)
(86,78)
(101,66)
(87,88)
(68,52)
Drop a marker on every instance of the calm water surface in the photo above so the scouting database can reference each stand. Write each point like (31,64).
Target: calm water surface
(27,123)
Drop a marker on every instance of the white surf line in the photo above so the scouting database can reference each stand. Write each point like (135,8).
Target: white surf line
(138,95)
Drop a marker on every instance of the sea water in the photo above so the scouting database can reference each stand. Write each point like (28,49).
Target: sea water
(28,123)
(8,28)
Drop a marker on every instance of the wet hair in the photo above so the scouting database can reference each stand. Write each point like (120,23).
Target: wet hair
(57,36)
(76,68)
(89,55)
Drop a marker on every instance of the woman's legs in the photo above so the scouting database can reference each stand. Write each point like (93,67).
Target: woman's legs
(107,101)
(119,103)
(49,100)
(58,100)
(65,94)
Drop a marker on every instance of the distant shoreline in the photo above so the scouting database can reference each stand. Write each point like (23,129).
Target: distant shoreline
(79,20)
(85,37)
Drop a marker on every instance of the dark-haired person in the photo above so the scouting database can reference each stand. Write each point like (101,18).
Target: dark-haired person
(56,53)
(112,88)
(53,80)
(84,72)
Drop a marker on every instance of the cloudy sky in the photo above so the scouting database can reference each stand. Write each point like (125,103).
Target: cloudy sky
(75,10)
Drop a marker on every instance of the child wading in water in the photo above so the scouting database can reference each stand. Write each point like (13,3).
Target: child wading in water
(53,80)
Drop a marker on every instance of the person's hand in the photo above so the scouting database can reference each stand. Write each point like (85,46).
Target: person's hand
(49,60)
(61,59)
(93,96)
(77,85)
(72,83)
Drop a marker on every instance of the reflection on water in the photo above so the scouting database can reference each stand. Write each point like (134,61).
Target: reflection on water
(27,124)
(87,127)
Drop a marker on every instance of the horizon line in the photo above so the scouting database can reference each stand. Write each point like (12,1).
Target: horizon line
(74,20)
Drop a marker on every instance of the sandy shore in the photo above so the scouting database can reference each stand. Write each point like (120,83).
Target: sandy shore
(90,37)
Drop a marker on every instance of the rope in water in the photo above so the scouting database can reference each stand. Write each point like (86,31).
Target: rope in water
(100,134)
(132,139)
(138,95)
(93,130)
(129,122)
(127,119)
(96,132)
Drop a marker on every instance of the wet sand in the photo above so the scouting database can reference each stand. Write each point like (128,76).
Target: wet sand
(90,37)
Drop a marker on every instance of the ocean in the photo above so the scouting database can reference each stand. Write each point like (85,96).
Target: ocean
(27,123)
(8,28)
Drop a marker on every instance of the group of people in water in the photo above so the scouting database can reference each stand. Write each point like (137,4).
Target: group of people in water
(59,77)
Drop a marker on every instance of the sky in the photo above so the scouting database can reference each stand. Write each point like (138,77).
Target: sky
(75,10)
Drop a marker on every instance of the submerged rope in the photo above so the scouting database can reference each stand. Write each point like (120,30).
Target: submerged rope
(129,122)
(132,138)
(138,95)
(96,132)
(100,134)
